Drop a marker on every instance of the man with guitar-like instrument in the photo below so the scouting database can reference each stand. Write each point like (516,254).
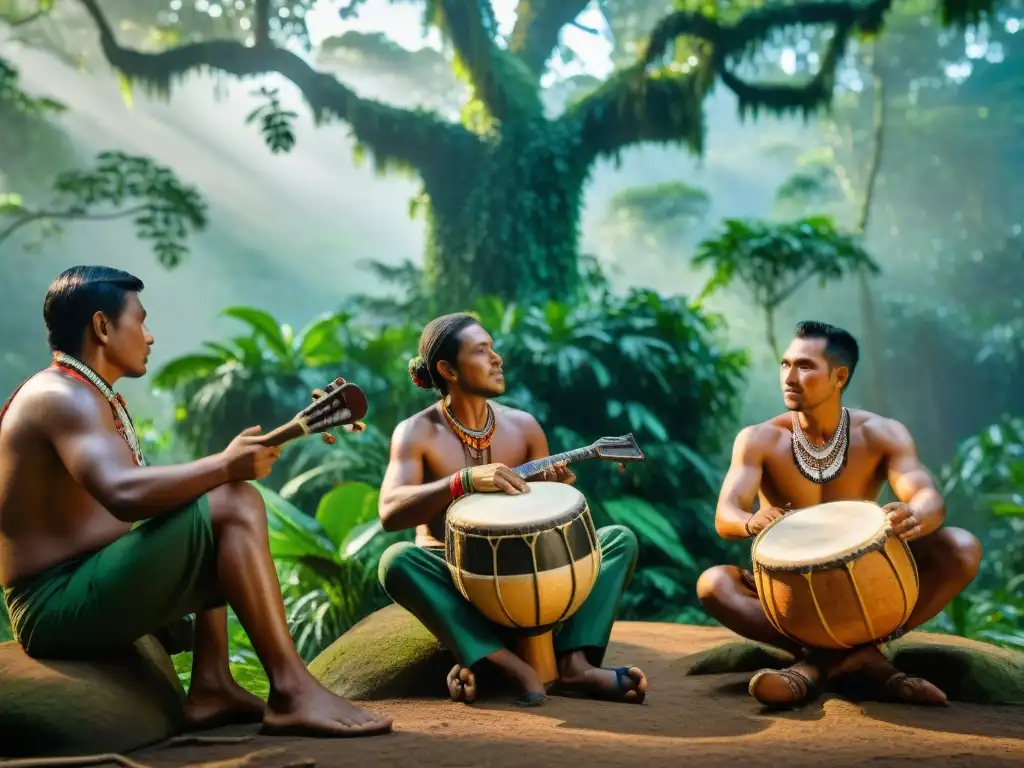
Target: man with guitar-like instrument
(97,549)
(466,444)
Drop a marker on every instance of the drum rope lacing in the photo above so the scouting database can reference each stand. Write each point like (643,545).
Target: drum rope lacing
(821,463)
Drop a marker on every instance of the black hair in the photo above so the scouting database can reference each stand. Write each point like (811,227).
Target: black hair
(840,346)
(440,341)
(76,295)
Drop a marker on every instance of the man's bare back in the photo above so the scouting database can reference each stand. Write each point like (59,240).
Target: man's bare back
(47,518)
(442,453)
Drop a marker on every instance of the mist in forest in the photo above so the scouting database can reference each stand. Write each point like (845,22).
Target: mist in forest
(288,232)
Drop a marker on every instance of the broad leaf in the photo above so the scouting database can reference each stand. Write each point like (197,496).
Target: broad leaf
(345,507)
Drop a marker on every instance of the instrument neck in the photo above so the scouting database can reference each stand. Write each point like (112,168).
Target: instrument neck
(283,434)
(536,467)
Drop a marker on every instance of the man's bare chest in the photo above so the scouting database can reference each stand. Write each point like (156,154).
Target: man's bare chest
(783,483)
(447,454)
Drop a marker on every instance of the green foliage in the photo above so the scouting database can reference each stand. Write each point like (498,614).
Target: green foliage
(605,365)
(275,121)
(772,260)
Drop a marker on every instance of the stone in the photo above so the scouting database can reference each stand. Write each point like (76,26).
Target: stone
(390,654)
(966,670)
(733,657)
(114,704)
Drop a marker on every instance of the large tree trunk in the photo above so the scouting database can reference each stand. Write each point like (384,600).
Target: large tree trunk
(505,223)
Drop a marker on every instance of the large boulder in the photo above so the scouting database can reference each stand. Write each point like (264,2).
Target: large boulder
(390,654)
(967,670)
(114,704)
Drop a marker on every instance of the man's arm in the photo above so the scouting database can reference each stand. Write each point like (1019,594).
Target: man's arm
(405,501)
(911,482)
(537,448)
(740,486)
(81,429)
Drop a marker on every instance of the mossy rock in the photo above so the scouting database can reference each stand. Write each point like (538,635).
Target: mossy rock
(734,657)
(114,704)
(967,670)
(390,654)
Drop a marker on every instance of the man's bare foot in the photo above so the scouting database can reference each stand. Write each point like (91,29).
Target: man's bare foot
(790,687)
(577,677)
(315,711)
(870,664)
(525,676)
(226,703)
(462,684)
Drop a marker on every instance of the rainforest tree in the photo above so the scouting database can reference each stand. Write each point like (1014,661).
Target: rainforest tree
(502,188)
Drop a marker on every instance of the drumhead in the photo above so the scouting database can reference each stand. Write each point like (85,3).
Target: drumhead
(820,534)
(548,504)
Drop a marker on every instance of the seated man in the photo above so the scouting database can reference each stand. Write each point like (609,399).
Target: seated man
(465,430)
(821,452)
(80,578)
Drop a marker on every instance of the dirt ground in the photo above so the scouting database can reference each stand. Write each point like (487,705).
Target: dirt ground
(707,720)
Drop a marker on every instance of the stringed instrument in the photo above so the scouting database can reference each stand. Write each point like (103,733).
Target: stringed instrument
(339,404)
(620,449)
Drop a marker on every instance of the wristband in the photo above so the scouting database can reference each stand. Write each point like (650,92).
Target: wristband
(455,485)
(467,480)
(746,527)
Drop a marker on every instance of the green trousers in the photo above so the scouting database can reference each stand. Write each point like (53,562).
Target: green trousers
(417,578)
(152,580)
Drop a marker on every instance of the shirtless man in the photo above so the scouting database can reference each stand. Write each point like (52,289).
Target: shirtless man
(816,368)
(97,549)
(458,361)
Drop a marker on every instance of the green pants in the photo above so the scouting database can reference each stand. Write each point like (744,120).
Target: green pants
(418,579)
(149,581)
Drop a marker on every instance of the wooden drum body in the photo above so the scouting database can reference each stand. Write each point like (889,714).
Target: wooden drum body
(525,561)
(832,576)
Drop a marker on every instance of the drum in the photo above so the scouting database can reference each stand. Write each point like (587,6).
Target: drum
(525,561)
(832,576)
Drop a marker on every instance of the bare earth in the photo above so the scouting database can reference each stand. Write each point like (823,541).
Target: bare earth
(709,720)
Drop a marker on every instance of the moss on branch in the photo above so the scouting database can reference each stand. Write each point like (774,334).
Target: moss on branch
(500,80)
(415,139)
(538,25)
(653,102)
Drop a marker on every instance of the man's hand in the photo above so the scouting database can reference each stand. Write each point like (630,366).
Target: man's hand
(758,522)
(902,521)
(559,473)
(246,459)
(497,477)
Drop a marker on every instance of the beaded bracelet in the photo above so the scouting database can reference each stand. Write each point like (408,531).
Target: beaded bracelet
(461,483)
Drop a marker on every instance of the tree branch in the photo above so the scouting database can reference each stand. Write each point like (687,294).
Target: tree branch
(538,25)
(639,105)
(499,79)
(411,138)
(32,216)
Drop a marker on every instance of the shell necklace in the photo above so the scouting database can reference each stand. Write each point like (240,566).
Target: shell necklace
(822,463)
(122,419)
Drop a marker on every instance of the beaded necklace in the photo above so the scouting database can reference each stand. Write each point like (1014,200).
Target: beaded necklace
(476,443)
(822,463)
(122,419)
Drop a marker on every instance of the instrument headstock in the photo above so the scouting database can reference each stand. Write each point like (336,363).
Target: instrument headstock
(618,449)
(338,404)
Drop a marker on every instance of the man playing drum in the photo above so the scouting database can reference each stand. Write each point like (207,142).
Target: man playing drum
(464,429)
(803,458)
(98,549)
